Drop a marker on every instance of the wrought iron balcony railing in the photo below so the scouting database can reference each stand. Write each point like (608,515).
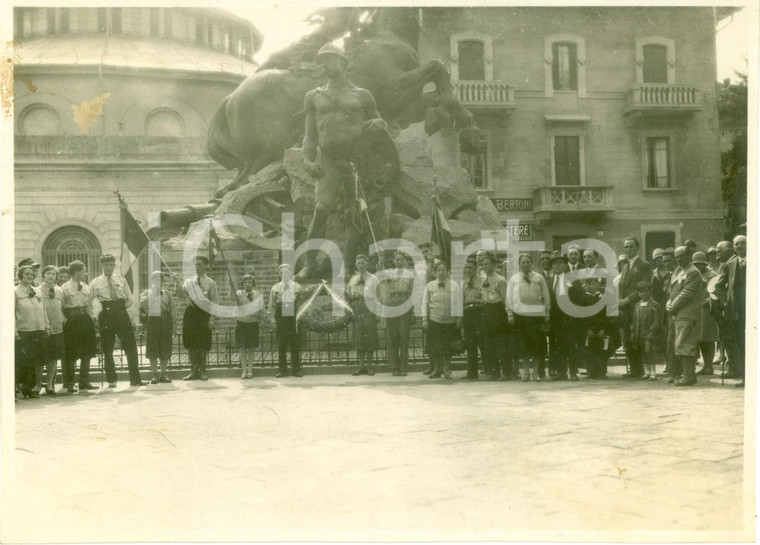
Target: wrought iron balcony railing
(573,198)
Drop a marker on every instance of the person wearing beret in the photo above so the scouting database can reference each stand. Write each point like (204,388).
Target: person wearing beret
(197,322)
(79,336)
(115,298)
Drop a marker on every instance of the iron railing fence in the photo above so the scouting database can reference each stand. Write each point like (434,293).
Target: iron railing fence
(317,349)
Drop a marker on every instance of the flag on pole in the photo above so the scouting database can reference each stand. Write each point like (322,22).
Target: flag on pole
(441,234)
(215,249)
(133,241)
(214,244)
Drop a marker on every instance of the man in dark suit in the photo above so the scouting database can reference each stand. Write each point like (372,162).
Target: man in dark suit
(561,333)
(685,306)
(545,270)
(670,265)
(731,289)
(574,262)
(577,325)
(637,270)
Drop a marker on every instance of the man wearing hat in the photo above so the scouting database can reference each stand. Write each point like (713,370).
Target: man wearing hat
(637,270)
(561,330)
(78,329)
(115,298)
(691,246)
(282,310)
(338,116)
(730,288)
(685,306)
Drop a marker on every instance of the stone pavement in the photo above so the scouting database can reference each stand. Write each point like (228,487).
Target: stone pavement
(334,457)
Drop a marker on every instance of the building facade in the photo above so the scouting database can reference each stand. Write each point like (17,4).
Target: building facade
(597,122)
(116,98)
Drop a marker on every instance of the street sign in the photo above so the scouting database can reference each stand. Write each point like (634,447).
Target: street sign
(519,231)
(513,205)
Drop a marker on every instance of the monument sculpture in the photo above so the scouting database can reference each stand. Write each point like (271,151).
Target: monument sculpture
(365,170)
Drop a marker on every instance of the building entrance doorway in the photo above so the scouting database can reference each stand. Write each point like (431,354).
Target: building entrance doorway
(658,239)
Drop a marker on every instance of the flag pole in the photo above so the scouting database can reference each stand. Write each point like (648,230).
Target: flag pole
(211,234)
(124,203)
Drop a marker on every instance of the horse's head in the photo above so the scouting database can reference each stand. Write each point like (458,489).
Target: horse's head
(403,22)
(334,22)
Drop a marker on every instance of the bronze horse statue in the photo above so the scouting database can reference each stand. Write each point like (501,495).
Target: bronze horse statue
(260,119)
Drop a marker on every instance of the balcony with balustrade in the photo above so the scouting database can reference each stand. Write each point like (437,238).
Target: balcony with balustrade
(556,201)
(485,95)
(663,99)
(67,148)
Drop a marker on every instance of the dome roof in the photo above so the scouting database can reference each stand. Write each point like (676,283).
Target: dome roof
(129,52)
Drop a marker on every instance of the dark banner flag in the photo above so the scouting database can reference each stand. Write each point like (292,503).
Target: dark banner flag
(133,242)
(441,235)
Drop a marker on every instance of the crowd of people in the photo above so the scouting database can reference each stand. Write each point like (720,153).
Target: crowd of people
(548,320)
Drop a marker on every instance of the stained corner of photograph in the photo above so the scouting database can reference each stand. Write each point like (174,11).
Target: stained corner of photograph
(290,272)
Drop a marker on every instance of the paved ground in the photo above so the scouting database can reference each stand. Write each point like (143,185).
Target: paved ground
(380,458)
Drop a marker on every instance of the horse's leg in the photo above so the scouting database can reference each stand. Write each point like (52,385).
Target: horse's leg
(242,176)
(326,193)
(445,108)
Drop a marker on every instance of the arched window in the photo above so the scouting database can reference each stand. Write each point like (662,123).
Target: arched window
(655,60)
(39,120)
(565,64)
(164,122)
(70,243)
(471,56)
(472,66)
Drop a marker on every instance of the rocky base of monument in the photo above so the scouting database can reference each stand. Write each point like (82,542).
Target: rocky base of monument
(399,200)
